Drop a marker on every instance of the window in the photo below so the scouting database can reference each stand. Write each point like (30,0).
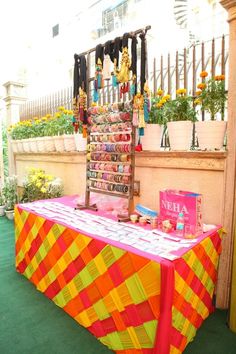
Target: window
(112,18)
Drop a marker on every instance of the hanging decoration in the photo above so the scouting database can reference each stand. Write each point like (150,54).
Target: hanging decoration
(79,90)
(108,57)
(116,52)
(98,81)
(133,68)
(123,75)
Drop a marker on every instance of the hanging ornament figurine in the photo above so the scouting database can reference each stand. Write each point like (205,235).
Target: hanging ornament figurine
(138,114)
(124,73)
(83,110)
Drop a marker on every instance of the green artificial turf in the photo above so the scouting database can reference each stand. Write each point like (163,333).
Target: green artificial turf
(32,324)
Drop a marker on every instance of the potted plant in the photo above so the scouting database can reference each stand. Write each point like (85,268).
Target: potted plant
(39,185)
(64,137)
(9,192)
(180,115)
(156,123)
(2,204)
(212,98)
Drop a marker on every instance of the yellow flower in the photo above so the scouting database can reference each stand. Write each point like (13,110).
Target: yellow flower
(197,101)
(57,115)
(160,92)
(166,97)
(201,86)
(65,111)
(48,115)
(70,112)
(162,101)
(181,91)
(159,105)
(94,104)
(61,108)
(44,118)
(204,74)
(198,93)
(43,190)
(38,184)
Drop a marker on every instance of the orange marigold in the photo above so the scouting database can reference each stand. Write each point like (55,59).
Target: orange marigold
(198,93)
(204,74)
(201,86)
(160,92)
(220,77)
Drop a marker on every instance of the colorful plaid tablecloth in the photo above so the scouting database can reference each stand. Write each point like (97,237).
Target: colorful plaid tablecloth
(131,303)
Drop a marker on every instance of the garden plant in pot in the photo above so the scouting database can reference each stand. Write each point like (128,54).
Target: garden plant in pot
(40,185)
(156,125)
(2,204)
(63,130)
(9,192)
(212,98)
(180,115)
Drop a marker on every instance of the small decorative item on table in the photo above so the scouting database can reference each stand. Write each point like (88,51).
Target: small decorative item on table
(133,218)
(154,222)
(143,221)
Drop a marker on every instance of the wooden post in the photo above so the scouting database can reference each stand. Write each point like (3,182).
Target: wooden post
(224,279)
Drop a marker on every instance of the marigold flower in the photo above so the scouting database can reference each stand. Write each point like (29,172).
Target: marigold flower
(70,112)
(201,86)
(198,93)
(204,74)
(219,77)
(48,115)
(166,97)
(197,101)
(43,190)
(162,101)
(61,108)
(57,115)
(160,92)
(181,91)
(159,105)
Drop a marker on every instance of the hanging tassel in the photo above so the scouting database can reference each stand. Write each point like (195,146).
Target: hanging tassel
(141,131)
(146,110)
(135,118)
(95,96)
(84,132)
(132,89)
(81,114)
(141,123)
(99,80)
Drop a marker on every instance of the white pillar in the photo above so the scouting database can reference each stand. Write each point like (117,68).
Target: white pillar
(1,147)
(15,96)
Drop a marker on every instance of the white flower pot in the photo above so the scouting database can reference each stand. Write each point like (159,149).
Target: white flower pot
(211,134)
(26,145)
(80,142)
(41,144)
(14,145)
(59,143)
(20,146)
(180,135)
(33,145)
(2,210)
(9,214)
(69,142)
(49,144)
(152,137)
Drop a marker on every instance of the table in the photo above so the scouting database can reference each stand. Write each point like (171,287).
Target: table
(132,301)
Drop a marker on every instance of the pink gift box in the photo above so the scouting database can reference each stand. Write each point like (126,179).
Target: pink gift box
(173,202)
